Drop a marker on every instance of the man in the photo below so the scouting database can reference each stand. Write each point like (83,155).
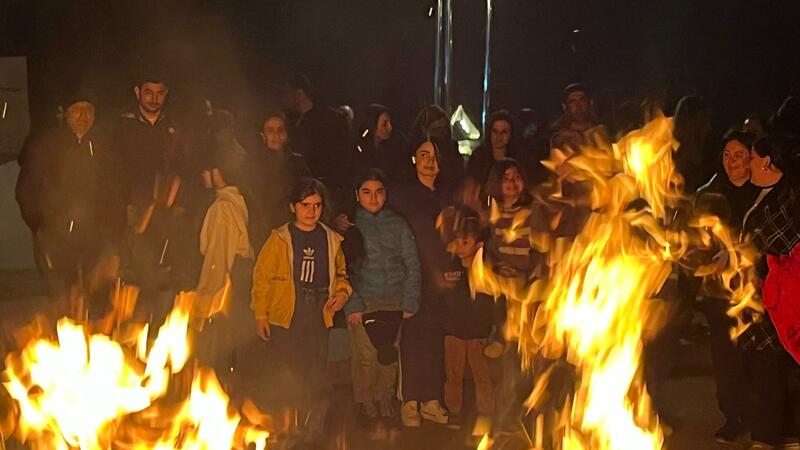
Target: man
(147,138)
(321,135)
(162,255)
(274,170)
(575,126)
(67,194)
(419,202)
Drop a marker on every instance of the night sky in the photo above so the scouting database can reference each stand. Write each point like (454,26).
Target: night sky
(742,56)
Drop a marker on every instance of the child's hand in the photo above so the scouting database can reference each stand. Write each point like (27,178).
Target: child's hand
(336,302)
(343,223)
(262,329)
(407,315)
(356,318)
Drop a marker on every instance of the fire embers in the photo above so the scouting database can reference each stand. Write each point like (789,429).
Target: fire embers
(77,390)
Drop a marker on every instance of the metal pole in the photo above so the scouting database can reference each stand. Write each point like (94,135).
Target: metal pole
(437,70)
(486,65)
(448,54)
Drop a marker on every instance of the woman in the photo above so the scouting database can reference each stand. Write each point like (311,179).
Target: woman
(432,124)
(498,135)
(420,202)
(380,146)
(770,224)
(273,171)
(727,195)
(386,285)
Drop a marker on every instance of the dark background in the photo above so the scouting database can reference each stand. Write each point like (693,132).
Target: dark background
(741,55)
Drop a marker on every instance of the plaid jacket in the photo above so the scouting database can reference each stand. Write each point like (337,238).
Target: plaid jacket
(770,226)
(760,336)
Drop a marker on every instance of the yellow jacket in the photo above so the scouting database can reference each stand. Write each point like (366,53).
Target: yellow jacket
(273,281)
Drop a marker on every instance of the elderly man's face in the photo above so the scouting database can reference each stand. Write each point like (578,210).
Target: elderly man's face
(80,117)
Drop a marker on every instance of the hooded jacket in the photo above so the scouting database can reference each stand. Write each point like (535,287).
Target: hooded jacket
(273,296)
(223,238)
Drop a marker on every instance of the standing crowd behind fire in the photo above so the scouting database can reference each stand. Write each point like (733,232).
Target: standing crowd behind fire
(331,245)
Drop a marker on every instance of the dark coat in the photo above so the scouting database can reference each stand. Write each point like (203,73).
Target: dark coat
(146,150)
(322,137)
(391,156)
(270,179)
(725,200)
(420,207)
(465,317)
(66,184)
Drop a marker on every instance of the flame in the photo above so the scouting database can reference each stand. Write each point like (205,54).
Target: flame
(90,392)
(597,306)
(600,294)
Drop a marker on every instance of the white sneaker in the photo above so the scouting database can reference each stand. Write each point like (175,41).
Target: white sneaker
(409,414)
(433,411)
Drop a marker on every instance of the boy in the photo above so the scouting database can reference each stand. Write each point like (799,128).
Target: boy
(468,323)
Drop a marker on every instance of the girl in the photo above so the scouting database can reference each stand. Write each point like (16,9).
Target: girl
(387,289)
(513,222)
(299,282)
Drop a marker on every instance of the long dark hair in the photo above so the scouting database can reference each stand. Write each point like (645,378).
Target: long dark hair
(782,150)
(497,116)
(494,185)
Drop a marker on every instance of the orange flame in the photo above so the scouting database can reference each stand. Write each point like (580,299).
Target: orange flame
(86,392)
(596,307)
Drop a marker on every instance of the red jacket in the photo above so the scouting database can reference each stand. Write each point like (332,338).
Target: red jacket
(781,298)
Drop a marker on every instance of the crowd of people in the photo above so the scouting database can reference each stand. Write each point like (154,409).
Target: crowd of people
(324,244)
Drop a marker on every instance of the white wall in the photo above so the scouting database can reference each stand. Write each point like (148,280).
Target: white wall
(16,246)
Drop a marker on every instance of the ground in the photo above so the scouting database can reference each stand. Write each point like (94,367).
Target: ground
(686,397)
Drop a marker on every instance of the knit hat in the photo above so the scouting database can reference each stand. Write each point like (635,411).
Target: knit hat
(382,328)
(78,94)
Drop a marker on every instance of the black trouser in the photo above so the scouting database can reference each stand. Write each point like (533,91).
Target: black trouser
(228,342)
(728,362)
(422,356)
(296,364)
(769,370)
(67,262)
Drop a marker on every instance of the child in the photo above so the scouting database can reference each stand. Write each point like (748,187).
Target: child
(387,289)
(299,282)
(468,323)
(514,227)
(510,249)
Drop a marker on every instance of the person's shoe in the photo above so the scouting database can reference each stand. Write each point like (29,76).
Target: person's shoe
(409,414)
(756,445)
(387,410)
(367,413)
(730,432)
(454,420)
(433,411)
(493,349)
